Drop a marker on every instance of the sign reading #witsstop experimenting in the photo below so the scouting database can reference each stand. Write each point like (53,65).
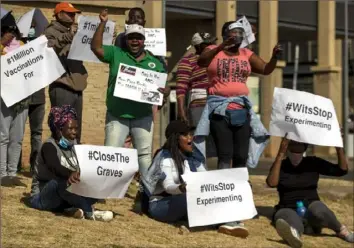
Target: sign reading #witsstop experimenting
(305,117)
(219,196)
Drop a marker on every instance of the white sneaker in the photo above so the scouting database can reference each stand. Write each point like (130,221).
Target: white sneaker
(236,229)
(103,215)
(288,233)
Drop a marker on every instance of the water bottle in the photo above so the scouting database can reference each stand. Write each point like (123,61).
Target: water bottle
(300,208)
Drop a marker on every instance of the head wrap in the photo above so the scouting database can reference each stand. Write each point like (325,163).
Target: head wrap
(59,116)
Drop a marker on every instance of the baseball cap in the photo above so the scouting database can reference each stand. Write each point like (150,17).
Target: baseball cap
(199,38)
(66,7)
(177,126)
(134,29)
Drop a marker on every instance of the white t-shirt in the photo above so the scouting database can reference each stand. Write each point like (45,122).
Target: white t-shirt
(171,183)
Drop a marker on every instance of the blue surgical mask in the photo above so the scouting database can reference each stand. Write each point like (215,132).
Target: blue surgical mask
(31,33)
(65,143)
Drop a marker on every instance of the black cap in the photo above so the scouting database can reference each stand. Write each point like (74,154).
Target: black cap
(177,126)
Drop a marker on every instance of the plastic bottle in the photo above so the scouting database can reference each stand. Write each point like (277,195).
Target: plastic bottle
(300,208)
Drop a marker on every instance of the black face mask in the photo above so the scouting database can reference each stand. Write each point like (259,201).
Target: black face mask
(238,41)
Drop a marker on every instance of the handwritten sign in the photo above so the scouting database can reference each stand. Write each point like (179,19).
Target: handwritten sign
(155,41)
(139,84)
(28,69)
(81,46)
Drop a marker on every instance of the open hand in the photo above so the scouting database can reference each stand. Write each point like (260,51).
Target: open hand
(104,15)
(74,177)
(277,51)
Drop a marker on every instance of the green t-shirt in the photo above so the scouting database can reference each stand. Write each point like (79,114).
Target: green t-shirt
(120,107)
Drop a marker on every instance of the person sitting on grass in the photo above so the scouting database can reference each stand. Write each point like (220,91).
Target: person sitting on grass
(57,167)
(296,179)
(164,184)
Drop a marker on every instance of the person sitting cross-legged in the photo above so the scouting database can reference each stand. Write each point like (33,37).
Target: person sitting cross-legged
(296,179)
(57,167)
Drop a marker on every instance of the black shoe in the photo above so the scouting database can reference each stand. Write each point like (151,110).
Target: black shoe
(17,182)
(7,182)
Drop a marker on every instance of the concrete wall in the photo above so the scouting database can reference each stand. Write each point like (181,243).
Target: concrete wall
(179,35)
(95,94)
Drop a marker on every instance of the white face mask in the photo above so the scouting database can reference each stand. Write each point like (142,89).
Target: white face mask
(295,158)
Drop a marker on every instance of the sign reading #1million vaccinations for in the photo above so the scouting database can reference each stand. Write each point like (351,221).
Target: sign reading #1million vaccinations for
(28,69)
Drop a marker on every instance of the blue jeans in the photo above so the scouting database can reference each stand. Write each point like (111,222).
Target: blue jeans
(54,197)
(141,130)
(169,209)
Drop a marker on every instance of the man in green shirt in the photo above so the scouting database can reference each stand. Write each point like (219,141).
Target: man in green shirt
(126,116)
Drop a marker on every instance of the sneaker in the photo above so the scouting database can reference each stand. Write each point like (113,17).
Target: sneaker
(236,229)
(103,215)
(76,213)
(288,233)
(6,182)
(346,234)
(183,230)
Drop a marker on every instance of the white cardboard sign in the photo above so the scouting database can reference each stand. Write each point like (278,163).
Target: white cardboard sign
(28,69)
(140,85)
(81,46)
(219,196)
(249,35)
(305,117)
(25,21)
(105,172)
(155,41)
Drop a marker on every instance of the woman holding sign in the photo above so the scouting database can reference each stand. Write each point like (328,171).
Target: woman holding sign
(239,135)
(57,167)
(164,184)
(300,209)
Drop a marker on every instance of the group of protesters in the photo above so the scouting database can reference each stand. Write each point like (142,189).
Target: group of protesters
(212,94)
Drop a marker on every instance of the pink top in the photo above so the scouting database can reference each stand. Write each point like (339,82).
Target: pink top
(228,74)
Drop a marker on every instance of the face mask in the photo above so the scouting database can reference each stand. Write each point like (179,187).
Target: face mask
(65,143)
(295,158)
(238,40)
(31,33)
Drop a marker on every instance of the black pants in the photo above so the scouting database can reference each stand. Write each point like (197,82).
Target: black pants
(36,114)
(231,142)
(60,95)
(318,216)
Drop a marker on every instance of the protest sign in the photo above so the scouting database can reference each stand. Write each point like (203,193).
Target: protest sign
(140,85)
(219,196)
(105,172)
(24,22)
(248,35)
(81,46)
(28,69)
(155,41)
(305,117)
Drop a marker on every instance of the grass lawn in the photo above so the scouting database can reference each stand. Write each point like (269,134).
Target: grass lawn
(23,227)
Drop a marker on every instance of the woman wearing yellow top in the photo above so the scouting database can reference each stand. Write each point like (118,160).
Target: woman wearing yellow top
(12,119)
